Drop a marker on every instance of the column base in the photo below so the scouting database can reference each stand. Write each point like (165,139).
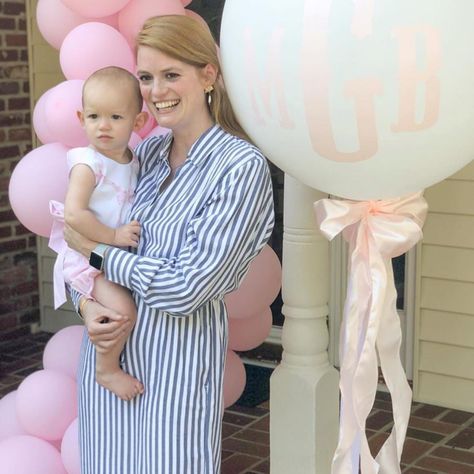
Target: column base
(304,419)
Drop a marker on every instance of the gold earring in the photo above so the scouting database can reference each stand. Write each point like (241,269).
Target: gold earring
(208,91)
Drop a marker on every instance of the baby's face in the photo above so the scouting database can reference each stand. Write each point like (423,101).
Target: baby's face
(109,117)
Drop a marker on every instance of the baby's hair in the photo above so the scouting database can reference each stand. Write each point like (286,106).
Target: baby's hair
(115,74)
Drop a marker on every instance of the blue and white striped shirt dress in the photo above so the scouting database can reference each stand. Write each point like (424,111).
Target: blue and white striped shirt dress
(198,237)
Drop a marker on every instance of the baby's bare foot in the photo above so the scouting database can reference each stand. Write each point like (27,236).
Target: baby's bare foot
(122,384)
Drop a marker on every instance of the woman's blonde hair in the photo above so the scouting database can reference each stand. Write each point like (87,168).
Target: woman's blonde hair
(187,40)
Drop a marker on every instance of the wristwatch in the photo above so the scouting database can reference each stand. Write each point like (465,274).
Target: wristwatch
(96,259)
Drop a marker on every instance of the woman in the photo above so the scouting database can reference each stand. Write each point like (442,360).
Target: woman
(204,203)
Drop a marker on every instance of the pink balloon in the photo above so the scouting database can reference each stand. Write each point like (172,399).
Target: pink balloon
(29,455)
(55,20)
(47,403)
(259,288)
(42,131)
(70,449)
(92,46)
(158,132)
(132,17)
(62,351)
(95,8)
(186,2)
(248,333)
(62,103)
(9,424)
(40,175)
(234,378)
(55,443)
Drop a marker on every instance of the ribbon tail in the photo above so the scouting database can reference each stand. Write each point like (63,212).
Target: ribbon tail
(358,382)
(58,281)
(57,243)
(388,346)
(366,377)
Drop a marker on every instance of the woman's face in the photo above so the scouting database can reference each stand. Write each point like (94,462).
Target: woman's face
(174,91)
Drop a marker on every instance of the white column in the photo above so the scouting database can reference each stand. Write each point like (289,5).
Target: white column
(304,396)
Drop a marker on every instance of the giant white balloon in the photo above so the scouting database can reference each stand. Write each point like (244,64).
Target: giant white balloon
(363,99)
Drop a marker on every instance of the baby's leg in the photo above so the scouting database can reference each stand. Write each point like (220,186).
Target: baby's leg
(108,371)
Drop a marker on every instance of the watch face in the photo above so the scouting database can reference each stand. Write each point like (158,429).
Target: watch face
(96,261)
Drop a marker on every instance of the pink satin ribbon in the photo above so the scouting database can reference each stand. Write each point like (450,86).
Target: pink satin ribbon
(58,244)
(376,232)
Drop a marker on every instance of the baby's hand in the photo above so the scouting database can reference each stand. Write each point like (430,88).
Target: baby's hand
(127,235)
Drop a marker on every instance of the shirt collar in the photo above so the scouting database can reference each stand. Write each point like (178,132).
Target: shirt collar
(201,148)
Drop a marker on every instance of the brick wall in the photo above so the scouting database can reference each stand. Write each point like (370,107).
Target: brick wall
(18,265)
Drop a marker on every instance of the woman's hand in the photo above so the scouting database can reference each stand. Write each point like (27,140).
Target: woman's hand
(78,242)
(105,326)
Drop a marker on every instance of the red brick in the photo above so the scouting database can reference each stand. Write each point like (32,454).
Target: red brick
(22,24)
(16,40)
(10,120)
(8,55)
(12,246)
(24,55)
(428,411)
(413,449)
(30,317)
(5,231)
(464,439)
(13,274)
(238,463)
(19,134)
(252,449)
(17,71)
(459,455)
(20,229)
(415,470)
(444,466)
(379,419)
(10,8)
(14,305)
(262,424)
(2,105)
(431,425)
(7,322)
(26,87)
(9,151)
(263,467)
(19,103)
(2,136)
(456,416)
(252,436)
(376,442)
(7,23)
(9,88)
(4,200)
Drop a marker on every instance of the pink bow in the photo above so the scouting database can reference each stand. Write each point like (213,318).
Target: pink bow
(376,231)
(58,244)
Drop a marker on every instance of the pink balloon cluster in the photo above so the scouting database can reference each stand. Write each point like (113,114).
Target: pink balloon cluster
(38,428)
(250,317)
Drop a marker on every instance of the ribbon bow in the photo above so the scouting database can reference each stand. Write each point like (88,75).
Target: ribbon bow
(58,244)
(376,232)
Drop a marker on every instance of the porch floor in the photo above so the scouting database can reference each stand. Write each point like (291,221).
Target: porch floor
(439,440)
